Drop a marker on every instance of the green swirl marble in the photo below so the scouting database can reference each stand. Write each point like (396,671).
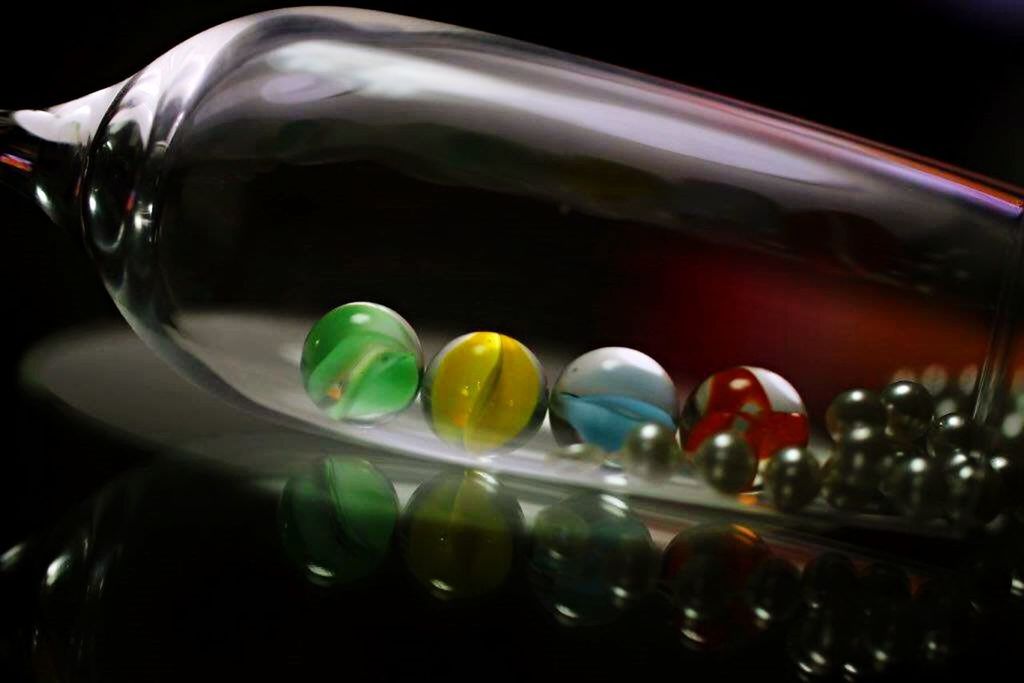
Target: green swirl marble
(361,362)
(336,520)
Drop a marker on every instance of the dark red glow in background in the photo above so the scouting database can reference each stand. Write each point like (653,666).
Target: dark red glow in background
(719,307)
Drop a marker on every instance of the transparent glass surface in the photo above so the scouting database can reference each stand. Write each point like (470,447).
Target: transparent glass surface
(280,165)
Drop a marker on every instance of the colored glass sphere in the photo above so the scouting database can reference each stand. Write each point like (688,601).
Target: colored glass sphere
(605,394)
(852,476)
(958,433)
(485,391)
(852,409)
(909,410)
(461,534)
(792,478)
(651,451)
(917,486)
(336,520)
(727,462)
(755,402)
(361,362)
(591,559)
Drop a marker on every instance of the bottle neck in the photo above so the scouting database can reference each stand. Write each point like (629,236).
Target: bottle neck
(42,153)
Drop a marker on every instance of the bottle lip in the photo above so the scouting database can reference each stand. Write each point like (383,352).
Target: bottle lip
(42,152)
(71,123)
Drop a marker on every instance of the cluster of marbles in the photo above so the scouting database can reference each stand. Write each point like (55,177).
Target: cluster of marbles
(461,534)
(837,619)
(738,419)
(483,391)
(892,453)
(953,389)
(733,422)
(866,446)
(857,623)
(486,392)
(589,560)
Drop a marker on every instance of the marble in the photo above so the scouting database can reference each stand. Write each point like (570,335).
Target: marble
(361,362)
(485,392)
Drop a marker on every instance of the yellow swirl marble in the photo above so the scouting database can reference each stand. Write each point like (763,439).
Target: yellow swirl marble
(485,391)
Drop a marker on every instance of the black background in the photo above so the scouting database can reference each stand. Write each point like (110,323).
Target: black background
(944,79)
